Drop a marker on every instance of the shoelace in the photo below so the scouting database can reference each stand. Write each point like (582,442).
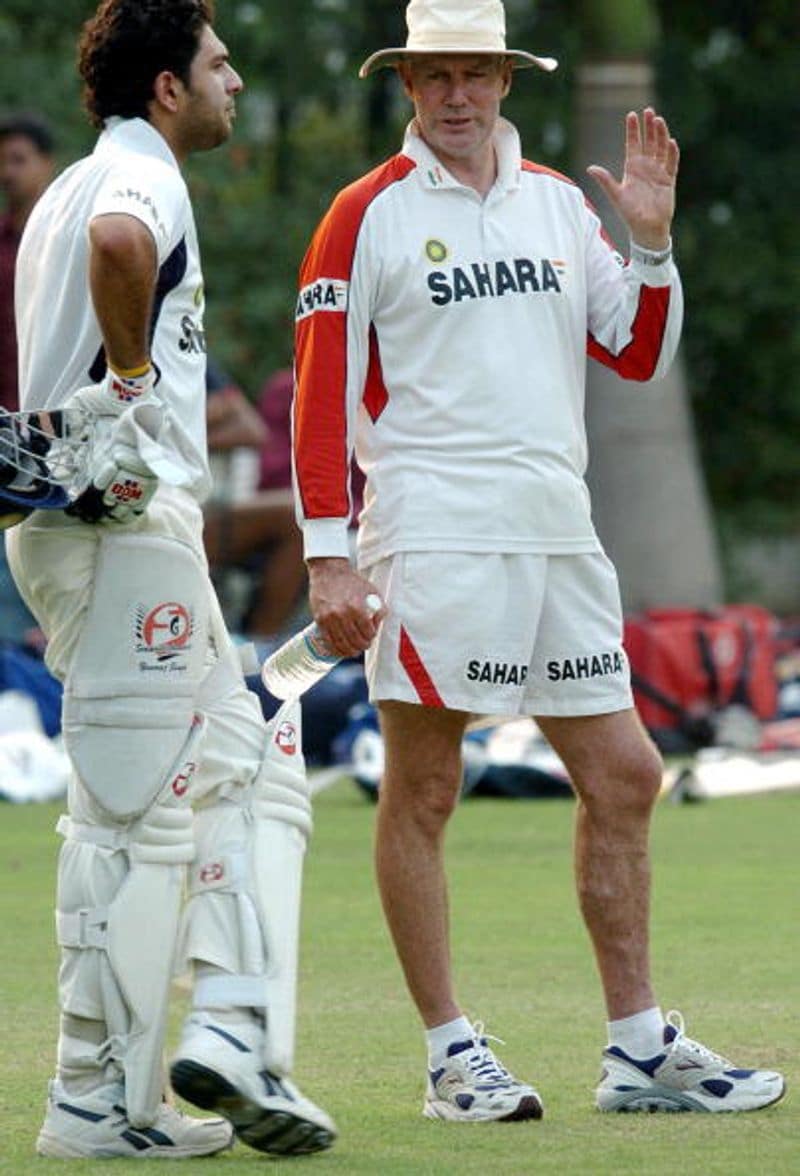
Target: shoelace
(675,1019)
(482,1062)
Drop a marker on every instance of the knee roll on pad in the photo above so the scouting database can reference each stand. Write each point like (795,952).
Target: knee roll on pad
(255,857)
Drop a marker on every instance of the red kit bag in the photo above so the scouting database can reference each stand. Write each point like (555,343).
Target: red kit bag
(689,665)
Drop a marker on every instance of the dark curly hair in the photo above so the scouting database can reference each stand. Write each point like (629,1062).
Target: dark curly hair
(128,43)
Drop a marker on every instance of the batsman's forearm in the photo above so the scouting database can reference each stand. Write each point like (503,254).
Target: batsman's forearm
(123,269)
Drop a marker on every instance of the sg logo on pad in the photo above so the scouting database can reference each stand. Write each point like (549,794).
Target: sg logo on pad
(286,738)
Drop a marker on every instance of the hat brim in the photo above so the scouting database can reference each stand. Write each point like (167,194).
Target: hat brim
(519,58)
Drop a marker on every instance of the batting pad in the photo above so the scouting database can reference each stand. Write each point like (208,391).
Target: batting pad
(243,916)
(119,898)
(129,697)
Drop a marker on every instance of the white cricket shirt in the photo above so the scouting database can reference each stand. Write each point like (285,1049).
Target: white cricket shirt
(131,170)
(445,337)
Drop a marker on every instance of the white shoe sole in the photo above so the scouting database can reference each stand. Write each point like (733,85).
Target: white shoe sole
(666,1099)
(529,1107)
(55,1147)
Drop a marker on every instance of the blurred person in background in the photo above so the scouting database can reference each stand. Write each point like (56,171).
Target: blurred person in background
(26,168)
(260,531)
(232,422)
(447,304)
(27,164)
(252,528)
(178,789)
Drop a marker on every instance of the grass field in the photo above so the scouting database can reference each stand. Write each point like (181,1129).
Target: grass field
(725,953)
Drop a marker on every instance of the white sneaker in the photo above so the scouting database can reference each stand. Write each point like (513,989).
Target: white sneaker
(96,1126)
(471,1086)
(684,1076)
(220,1068)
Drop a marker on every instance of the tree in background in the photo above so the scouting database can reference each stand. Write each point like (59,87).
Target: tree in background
(647,486)
(725,77)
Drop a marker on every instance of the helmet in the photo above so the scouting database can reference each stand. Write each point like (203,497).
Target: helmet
(37,464)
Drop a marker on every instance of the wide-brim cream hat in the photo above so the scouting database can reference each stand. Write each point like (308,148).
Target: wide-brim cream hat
(455,26)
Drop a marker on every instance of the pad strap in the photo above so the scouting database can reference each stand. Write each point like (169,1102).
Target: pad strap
(73,830)
(87,927)
(163,836)
(229,991)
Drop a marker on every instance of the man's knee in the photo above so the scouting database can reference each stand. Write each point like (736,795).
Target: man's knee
(422,774)
(426,799)
(628,782)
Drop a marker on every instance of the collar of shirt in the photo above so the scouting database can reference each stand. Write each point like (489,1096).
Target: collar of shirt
(433,174)
(134,134)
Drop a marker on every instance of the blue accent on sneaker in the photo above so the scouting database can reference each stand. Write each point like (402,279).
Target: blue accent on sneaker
(436,1074)
(646,1065)
(465,1101)
(273,1085)
(234,1041)
(157,1136)
(670,1033)
(80,1113)
(136,1140)
(717,1086)
(739,1073)
(457,1047)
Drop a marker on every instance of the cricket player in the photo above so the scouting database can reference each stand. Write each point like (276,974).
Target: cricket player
(447,305)
(157,719)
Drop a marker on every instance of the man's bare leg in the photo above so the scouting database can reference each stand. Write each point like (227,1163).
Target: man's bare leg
(616,772)
(418,793)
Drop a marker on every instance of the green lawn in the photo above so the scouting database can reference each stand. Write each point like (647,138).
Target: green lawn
(725,953)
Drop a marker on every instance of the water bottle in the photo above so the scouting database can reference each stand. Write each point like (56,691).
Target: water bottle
(303,660)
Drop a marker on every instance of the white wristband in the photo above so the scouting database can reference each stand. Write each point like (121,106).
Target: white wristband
(650,256)
(123,391)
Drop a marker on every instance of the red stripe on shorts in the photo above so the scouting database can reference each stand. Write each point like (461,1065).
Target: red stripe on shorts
(420,678)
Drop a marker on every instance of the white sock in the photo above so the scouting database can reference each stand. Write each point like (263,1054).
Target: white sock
(441,1036)
(641,1036)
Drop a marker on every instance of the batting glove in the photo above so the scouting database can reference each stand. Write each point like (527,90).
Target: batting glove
(115,393)
(121,488)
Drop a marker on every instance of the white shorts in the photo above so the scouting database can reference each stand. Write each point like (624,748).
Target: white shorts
(500,634)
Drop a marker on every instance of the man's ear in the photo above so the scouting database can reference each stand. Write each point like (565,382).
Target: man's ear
(167,89)
(508,74)
(404,74)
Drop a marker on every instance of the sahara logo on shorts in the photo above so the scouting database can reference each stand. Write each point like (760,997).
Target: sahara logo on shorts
(286,738)
(163,634)
(497,673)
(577,669)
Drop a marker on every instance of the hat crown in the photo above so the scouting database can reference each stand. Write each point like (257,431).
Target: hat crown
(455,26)
(465,23)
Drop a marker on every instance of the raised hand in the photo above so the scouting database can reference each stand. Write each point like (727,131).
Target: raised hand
(645,196)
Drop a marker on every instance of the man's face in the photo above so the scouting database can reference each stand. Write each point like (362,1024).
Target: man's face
(24,171)
(209,106)
(457,101)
